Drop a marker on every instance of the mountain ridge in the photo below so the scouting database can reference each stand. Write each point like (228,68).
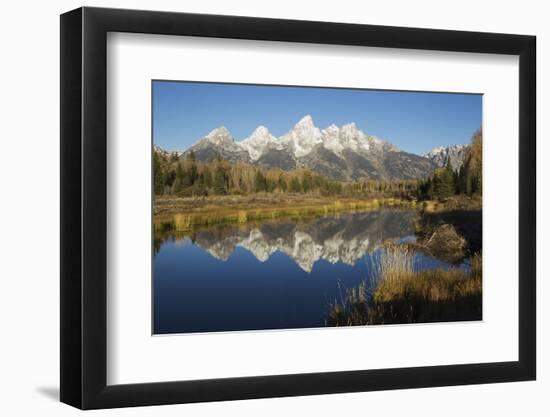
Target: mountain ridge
(441,155)
(340,153)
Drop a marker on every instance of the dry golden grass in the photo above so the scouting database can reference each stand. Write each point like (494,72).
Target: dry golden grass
(399,280)
(182,214)
(402,295)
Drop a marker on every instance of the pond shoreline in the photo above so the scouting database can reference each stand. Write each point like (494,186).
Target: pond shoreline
(183,214)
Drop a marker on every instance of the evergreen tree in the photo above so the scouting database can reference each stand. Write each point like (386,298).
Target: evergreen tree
(190,173)
(282,184)
(307,182)
(179,181)
(443,183)
(207,175)
(271,185)
(476,184)
(260,182)
(220,185)
(168,178)
(295,186)
(158,176)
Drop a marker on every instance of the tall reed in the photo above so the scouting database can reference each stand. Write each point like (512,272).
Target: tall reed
(400,294)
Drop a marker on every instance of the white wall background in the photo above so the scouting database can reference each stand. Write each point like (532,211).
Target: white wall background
(29,176)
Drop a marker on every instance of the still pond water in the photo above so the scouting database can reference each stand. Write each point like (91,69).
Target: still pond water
(270,275)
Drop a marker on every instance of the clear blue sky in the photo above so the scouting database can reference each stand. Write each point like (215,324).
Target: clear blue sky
(184,112)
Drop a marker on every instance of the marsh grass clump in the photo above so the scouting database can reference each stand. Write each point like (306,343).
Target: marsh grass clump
(182,222)
(242,217)
(352,310)
(402,295)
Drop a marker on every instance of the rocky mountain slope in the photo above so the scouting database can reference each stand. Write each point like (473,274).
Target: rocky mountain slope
(341,153)
(454,153)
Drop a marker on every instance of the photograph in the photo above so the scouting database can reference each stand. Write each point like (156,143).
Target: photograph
(291,207)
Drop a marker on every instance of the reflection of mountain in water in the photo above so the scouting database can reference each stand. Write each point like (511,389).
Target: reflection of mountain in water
(344,238)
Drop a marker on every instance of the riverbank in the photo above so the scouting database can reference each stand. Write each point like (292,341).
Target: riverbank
(182,214)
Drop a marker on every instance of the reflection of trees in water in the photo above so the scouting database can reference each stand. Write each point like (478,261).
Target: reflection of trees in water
(342,238)
(157,242)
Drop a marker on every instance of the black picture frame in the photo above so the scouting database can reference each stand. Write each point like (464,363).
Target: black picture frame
(84,207)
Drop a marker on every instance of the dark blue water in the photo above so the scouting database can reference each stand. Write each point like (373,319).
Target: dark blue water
(270,276)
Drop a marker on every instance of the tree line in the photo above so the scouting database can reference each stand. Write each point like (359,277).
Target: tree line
(189,177)
(446,182)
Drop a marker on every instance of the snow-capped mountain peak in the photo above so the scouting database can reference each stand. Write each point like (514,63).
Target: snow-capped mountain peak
(353,138)
(303,136)
(434,151)
(331,139)
(306,121)
(441,155)
(350,127)
(260,131)
(219,136)
(257,142)
(159,150)
(219,143)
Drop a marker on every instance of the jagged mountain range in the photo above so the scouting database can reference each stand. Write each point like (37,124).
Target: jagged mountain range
(340,153)
(455,154)
(164,152)
(343,239)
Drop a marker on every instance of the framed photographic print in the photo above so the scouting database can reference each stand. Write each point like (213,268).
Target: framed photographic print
(257,208)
